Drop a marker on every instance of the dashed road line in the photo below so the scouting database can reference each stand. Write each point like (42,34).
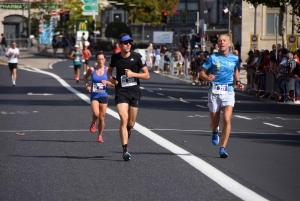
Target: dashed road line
(242,117)
(150,91)
(277,126)
(160,94)
(171,97)
(201,106)
(184,101)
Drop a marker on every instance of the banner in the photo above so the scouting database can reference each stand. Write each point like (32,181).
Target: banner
(254,41)
(292,41)
(162,37)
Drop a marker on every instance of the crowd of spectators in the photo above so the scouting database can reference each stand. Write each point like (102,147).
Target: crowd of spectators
(274,74)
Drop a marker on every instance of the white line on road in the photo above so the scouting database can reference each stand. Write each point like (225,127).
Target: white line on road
(171,97)
(142,87)
(272,125)
(201,106)
(39,94)
(150,91)
(160,94)
(242,117)
(216,175)
(184,101)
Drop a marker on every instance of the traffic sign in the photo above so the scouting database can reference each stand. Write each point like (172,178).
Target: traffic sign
(89,13)
(90,7)
(90,1)
(53,13)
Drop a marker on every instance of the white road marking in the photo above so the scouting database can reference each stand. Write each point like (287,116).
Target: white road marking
(201,106)
(171,97)
(39,94)
(71,66)
(204,97)
(272,125)
(216,175)
(160,94)
(27,69)
(184,101)
(142,87)
(242,117)
(150,91)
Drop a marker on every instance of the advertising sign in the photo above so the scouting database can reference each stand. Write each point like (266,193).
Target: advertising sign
(254,41)
(292,41)
(163,37)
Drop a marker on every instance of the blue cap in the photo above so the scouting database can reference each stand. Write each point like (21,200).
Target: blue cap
(125,38)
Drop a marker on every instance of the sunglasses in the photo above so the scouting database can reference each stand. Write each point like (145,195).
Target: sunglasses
(127,42)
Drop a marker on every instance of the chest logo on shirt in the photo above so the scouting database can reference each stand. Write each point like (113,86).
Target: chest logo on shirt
(131,59)
(231,63)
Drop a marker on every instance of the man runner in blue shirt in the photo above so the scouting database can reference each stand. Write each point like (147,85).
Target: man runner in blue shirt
(221,69)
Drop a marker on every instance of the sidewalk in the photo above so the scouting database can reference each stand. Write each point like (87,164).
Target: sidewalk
(35,59)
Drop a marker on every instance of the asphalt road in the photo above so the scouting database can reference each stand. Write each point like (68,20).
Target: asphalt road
(47,152)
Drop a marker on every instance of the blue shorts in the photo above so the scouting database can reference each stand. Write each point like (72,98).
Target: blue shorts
(102,100)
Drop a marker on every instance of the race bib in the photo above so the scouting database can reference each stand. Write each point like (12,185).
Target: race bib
(128,81)
(99,88)
(83,60)
(77,59)
(219,88)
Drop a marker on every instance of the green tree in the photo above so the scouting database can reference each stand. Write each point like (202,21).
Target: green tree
(282,5)
(149,11)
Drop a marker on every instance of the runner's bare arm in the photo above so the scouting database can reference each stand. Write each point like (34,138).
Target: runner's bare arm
(144,75)
(237,79)
(205,77)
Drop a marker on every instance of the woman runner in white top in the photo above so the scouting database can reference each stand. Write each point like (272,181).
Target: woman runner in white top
(12,54)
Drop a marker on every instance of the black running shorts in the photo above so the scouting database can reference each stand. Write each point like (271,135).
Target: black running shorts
(130,97)
(102,100)
(12,65)
(77,66)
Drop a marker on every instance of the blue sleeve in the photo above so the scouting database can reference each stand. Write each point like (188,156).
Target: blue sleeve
(208,63)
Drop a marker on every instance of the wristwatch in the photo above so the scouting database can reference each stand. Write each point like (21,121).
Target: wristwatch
(87,84)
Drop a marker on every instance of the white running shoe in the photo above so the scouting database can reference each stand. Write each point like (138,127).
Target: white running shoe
(84,73)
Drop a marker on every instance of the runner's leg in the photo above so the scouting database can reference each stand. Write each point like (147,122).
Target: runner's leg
(131,119)
(102,111)
(227,112)
(123,109)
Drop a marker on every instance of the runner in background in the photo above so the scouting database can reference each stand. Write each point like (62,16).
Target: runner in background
(76,56)
(223,68)
(98,90)
(127,91)
(86,54)
(13,54)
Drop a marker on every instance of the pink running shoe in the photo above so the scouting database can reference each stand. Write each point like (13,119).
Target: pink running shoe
(93,127)
(100,138)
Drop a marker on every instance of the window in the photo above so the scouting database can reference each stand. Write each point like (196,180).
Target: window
(271,14)
(270,24)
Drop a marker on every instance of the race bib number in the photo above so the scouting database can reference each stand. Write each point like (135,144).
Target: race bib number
(219,88)
(77,59)
(128,81)
(99,88)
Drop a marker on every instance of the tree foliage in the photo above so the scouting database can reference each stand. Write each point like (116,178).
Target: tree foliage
(149,11)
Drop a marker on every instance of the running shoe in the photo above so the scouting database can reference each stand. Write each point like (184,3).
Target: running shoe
(93,127)
(223,153)
(215,138)
(13,83)
(100,138)
(126,156)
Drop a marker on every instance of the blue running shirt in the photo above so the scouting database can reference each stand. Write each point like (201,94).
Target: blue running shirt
(222,67)
(98,89)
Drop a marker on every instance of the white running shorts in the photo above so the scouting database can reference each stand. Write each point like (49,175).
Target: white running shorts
(217,101)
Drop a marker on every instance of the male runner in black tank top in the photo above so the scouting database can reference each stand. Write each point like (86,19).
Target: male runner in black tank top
(127,87)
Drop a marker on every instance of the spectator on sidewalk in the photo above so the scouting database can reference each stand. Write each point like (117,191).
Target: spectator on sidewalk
(54,44)
(157,59)
(13,54)
(282,74)
(264,63)
(3,44)
(179,61)
(150,54)
(296,77)
(290,80)
(248,67)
